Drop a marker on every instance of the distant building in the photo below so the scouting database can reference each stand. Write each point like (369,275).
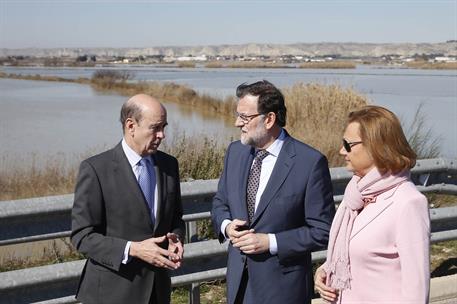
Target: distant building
(445,59)
(192,58)
(169,59)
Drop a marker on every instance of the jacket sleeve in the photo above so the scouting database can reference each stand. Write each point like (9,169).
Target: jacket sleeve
(89,223)
(178,226)
(220,209)
(319,210)
(413,241)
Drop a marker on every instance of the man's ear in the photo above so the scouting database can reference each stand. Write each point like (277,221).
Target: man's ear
(130,125)
(270,119)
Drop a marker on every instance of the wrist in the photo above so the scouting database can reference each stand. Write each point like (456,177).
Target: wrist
(227,228)
(133,252)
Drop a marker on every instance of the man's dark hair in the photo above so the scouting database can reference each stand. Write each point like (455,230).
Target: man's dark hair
(270,99)
(130,110)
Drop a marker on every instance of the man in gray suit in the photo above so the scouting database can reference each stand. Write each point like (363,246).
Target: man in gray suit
(127,213)
(274,203)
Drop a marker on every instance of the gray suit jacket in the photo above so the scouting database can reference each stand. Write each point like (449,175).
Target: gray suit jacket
(109,210)
(297,206)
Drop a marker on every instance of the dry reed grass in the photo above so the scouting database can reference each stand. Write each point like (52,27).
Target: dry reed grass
(328,65)
(432,65)
(198,157)
(186,64)
(421,138)
(52,178)
(214,64)
(167,91)
(58,251)
(245,65)
(316,114)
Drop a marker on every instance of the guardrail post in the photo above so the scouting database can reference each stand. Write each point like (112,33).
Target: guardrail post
(191,231)
(194,289)
(194,293)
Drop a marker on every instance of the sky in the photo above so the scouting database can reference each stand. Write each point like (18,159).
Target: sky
(131,24)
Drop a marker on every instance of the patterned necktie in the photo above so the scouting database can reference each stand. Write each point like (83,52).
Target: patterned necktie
(253,182)
(147,182)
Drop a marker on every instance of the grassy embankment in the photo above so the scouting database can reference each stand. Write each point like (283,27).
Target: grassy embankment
(432,65)
(186,64)
(262,64)
(44,78)
(246,65)
(328,65)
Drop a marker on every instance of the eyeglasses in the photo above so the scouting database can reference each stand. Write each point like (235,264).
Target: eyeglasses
(348,145)
(246,118)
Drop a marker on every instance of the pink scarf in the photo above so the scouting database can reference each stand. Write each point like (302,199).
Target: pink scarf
(358,193)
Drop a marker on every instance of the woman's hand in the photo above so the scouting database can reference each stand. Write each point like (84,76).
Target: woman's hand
(327,293)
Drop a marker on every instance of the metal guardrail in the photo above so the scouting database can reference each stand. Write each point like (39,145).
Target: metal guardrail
(49,217)
(45,218)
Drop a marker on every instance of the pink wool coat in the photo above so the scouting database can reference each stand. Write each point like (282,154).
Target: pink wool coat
(389,250)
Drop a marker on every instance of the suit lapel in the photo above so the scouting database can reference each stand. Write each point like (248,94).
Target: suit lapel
(281,170)
(125,176)
(372,211)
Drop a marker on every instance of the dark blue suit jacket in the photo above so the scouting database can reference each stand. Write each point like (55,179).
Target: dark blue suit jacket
(297,206)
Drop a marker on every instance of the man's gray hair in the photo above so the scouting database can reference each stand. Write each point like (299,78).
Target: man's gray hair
(130,109)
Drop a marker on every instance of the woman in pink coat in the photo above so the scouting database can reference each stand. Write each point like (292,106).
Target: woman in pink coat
(379,241)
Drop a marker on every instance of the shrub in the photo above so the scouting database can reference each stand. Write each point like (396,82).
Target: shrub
(108,79)
(420,137)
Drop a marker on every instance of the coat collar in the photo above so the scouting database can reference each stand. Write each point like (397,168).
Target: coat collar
(373,210)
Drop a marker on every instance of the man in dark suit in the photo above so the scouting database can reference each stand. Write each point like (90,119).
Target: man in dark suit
(127,213)
(274,203)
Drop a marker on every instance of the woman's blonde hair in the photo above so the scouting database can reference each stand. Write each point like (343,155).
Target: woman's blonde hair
(382,135)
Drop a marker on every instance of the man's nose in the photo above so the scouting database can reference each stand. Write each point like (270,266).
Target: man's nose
(238,122)
(160,134)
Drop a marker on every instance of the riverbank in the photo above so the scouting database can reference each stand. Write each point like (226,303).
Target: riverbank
(425,65)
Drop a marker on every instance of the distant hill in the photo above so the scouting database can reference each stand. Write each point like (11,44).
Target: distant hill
(346,49)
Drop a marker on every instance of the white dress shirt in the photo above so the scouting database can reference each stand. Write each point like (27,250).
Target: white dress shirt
(134,160)
(268,164)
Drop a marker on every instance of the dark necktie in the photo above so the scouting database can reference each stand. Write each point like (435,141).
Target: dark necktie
(253,182)
(147,182)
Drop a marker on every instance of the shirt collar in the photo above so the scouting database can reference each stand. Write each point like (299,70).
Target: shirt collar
(132,156)
(276,146)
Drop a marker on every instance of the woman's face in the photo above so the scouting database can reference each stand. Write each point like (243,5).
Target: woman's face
(359,159)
